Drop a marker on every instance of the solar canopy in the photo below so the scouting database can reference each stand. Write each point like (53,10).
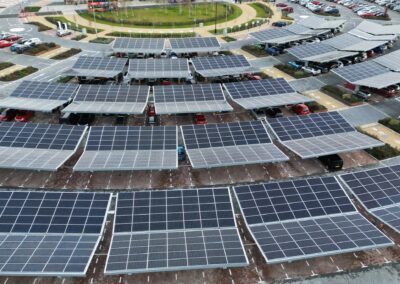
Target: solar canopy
(378,29)
(318,52)
(37,146)
(174,230)
(319,134)
(117,99)
(236,143)
(390,60)
(264,93)
(129,148)
(299,219)
(139,45)
(194,44)
(190,99)
(50,233)
(379,192)
(159,68)
(368,36)
(369,74)
(349,42)
(39,96)
(314,22)
(215,66)
(278,36)
(94,66)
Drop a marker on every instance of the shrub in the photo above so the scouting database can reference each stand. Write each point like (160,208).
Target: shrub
(391,123)
(4,65)
(19,74)
(66,54)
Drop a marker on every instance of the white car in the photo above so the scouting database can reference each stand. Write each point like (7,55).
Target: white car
(62,33)
(310,70)
(33,41)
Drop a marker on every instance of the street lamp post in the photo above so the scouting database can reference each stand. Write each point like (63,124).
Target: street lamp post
(215,17)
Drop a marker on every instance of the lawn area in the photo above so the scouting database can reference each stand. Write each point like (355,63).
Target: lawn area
(4,65)
(31,9)
(262,10)
(242,27)
(19,74)
(41,27)
(391,123)
(382,152)
(102,40)
(151,35)
(66,54)
(228,38)
(341,95)
(41,48)
(71,25)
(298,74)
(171,16)
(79,37)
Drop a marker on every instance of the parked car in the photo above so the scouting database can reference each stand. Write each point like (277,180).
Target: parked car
(388,92)
(5,43)
(200,119)
(24,115)
(61,33)
(14,46)
(33,42)
(281,5)
(279,24)
(151,110)
(362,95)
(181,153)
(273,112)
(332,162)
(12,37)
(301,109)
(8,115)
(332,9)
(310,70)
(272,51)
(288,9)
(296,65)
(21,48)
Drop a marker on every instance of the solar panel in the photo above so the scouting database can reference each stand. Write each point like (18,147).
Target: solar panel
(319,134)
(50,233)
(130,99)
(343,41)
(310,50)
(158,68)
(390,60)
(139,45)
(39,96)
(270,34)
(359,71)
(129,148)
(298,29)
(263,93)
(194,44)
(235,143)
(174,230)
(214,66)
(190,99)
(52,212)
(388,215)
(94,66)
(305,218)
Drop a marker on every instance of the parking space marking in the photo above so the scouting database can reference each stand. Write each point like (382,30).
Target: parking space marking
(47,180)
(26,179)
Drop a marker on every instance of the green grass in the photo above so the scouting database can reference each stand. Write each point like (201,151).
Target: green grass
(391,123)
(41,27)
(102,40)
(31,9)
(71,25)
(171,16)
(382,152)
(151,35)
(66,54)
(228,38)
(19,74)
(79,37)
(341,95)
(242,27)
(256,50)
(298,74)
(262,10)
(4,65)
(41,48)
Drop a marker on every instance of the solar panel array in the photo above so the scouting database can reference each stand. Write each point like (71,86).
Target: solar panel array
(390,60)
(319,134)
(174,230)
(159,68)
(263,93)
(139,45)
(310,50)
(298,29)
(379,192)
(194,44)
(305,218)
(359,71)
(214,66)
(37,146)
(343,41)
(270,34)
(50,233)
(236,143)
(129,148)
(127,99)
(94,66)
(39,96)
(190,99)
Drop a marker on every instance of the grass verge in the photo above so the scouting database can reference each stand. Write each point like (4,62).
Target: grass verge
(382,152)
(67,54)
(31,9)
(102,40)
(262,10)
(228,38)
(391,123)
(245,26)
(41,48)
(71,25)
(316,107)
(256,50)
(341,95)
(4,65)
(151,35)
(79,37)
(19,74)
(298,74)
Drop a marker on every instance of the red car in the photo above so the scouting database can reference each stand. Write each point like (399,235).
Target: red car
(12,37)
(6,43)
(24,115)
(200,119)
(252,77)
(301,109)
(288,9)
(166,83)
(388,92)
(8,115)
(151,110)
(281,5)
(366,15)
